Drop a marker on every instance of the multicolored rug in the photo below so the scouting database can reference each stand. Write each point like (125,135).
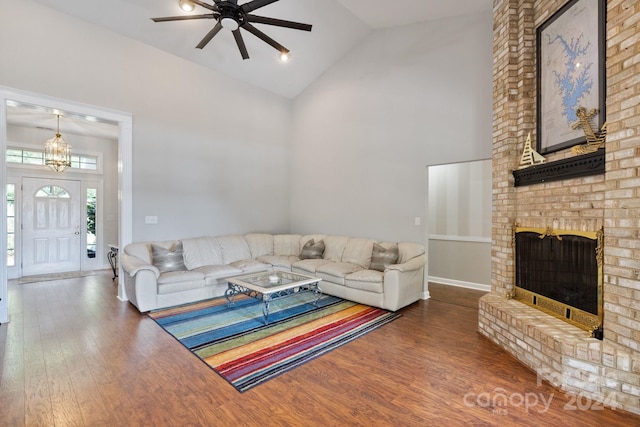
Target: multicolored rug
(237,344)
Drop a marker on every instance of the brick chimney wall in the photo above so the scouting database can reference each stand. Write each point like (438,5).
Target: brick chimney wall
(611,201)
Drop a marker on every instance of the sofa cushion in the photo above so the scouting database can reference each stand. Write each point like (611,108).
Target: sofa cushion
(250,265)
(335,272)
(166,260)
(201,251)
(334,247)
(177,281)
(215,273)
(286,244)
(234,248)
(366,280)
(382,256)
(279,261)
(259,244)
(305,239)
(312,250)
(307,266)
(358,251)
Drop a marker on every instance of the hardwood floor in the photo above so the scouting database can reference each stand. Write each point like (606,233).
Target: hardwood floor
(455,295)
(73,355)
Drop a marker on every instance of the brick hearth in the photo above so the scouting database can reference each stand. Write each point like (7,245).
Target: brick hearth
(561,353)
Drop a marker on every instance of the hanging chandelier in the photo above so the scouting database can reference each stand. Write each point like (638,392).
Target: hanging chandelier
(57,153)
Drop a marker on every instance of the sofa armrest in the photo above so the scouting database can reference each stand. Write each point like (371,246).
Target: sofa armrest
(142,289)
(414,263)
(132,265)
(403,283)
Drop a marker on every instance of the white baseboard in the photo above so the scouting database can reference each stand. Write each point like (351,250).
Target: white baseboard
(460,284)
(425,295)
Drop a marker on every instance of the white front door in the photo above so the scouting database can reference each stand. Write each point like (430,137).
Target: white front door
(51,237)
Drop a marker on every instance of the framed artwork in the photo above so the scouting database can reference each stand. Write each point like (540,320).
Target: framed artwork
(570,54)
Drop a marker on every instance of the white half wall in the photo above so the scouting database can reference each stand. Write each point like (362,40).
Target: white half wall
(460,262)
(210,154)
(364,132)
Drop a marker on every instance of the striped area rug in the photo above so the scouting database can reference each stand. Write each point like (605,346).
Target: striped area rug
(237,344)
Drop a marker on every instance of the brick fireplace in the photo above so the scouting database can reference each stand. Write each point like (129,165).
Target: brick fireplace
(566,356)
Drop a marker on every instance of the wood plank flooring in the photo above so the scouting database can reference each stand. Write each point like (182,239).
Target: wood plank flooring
(73,355)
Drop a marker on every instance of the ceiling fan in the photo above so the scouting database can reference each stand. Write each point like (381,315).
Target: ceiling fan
(232,16)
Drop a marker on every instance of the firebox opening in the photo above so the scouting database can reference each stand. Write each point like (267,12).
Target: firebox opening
(560,273)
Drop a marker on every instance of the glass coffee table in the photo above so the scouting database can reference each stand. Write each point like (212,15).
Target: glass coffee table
(267,286)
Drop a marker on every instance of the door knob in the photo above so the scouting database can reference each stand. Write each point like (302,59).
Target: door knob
(77,232)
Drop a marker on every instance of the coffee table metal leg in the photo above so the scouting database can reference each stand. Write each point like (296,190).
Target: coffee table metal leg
(230,295)
(265,309)
(318,293)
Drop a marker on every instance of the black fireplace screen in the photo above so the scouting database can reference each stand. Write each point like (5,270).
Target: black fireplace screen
(562,268)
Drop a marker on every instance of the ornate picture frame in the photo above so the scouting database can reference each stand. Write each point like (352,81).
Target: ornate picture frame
(570,68)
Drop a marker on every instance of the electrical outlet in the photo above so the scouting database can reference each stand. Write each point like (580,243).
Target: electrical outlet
(150,219)
(417,220)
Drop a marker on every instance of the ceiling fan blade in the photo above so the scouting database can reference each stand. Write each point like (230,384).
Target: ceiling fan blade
(211,34)
(184,17)
(278,22)
(240,42)
(256,4)
(262,36)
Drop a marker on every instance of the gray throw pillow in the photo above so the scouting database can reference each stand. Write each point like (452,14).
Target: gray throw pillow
(166,260)
(312,250)
(382,257)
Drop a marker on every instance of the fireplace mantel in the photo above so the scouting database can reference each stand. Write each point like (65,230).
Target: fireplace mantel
(582,165)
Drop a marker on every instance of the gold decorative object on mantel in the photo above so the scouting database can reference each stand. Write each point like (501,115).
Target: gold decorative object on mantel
(530,156)
(594,142)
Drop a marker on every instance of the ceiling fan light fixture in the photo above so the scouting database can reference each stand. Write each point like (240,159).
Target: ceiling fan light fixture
(229,23)
(187,5)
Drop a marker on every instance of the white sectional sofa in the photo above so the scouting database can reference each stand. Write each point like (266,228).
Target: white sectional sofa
(167,273)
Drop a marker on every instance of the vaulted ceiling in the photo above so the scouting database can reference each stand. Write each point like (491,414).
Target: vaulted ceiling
(338,26)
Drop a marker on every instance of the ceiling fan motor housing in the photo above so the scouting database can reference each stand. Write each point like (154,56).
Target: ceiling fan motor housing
(231,16)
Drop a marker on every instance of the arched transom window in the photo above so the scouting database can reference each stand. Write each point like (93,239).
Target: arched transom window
(52,192)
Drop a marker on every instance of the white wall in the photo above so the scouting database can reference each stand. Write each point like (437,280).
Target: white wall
(364,132)
(210,154)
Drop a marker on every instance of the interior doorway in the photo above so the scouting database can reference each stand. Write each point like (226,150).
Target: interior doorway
(124,121)
(459,224)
